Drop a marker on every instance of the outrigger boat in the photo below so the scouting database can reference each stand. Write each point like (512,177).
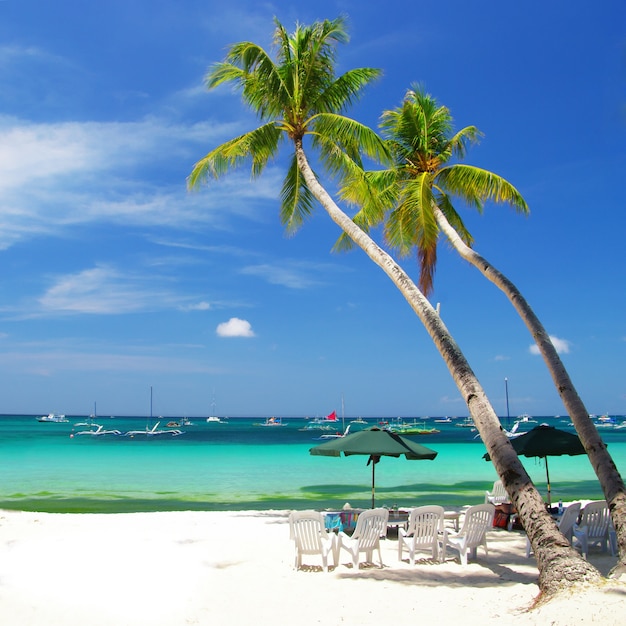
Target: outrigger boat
(154,431)
(98,432)
(53,417)
(272,421)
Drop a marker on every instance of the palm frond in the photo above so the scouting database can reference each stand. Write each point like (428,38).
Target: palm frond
(297,201)
(412,222)
(334,134)
(345,90)
(258,146)
(454,219)
(476,186)
(252,70)
(375,192)
(460,141)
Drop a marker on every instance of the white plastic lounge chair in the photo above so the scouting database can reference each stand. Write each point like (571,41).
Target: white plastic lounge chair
(425,529)
(478,520)
(497,495)
(371,525)
(307,530)
(593,527)
(566,524)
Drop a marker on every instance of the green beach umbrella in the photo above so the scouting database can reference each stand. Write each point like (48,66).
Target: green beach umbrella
(374,443)
(544,441)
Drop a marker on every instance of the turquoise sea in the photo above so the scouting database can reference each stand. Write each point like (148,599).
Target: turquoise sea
(240,465)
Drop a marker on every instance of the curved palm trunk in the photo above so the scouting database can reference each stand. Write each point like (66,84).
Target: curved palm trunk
(601,461)
(559,565)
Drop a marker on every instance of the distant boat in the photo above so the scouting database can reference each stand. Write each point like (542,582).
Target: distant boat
(183,421)
(154,431)
(91,424)
(98,432)
(337,435)
(511,434)
(605,421)
(213,419)
(53,417)
(272,421)
(443,420)
(323,423)
(400,427)
(468,422)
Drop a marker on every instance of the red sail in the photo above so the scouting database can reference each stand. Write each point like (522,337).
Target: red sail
(332,417)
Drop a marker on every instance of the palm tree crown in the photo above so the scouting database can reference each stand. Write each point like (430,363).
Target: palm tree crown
(420,138)
(295,95)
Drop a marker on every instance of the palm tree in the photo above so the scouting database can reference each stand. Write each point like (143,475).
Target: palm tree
(420,187)
(300,97)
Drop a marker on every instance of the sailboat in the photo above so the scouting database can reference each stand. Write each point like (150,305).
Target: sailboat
(151,432)
(213,419)
(91,420)
(95,430)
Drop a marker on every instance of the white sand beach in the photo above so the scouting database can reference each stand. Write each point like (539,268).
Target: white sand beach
(166,569)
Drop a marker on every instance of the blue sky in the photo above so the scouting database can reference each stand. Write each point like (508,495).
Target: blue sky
(115,278)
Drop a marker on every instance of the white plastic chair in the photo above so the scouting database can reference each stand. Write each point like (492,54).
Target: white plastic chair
(566,524)
(425,530)
(371,525)
(307,530)
(497,495)
(478,520)
(593,527)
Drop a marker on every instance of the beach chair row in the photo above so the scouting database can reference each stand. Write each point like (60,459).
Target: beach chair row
(425,531)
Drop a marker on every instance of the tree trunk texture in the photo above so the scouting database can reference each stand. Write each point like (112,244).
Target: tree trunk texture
(608,475)
(559,565)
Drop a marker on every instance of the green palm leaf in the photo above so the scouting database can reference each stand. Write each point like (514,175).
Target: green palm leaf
(420,139)
(294,92)
(476,186)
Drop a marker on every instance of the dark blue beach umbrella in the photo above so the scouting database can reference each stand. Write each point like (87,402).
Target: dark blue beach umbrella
(374,443)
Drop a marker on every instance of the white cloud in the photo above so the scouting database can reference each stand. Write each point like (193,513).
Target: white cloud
(235,327)
(105,290)
(200,306)
(59,175)
(562,346)
(295,275)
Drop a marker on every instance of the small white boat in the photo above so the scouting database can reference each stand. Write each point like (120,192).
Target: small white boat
(99,432)
(53,417)
(153,432)
(337,435)
(443,420)
(329,422)
(511,434)
(213,419)
(272,421)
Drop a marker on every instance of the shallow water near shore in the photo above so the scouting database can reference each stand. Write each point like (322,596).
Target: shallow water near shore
(240,465)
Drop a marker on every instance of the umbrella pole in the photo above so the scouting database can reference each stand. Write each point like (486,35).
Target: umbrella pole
(373,483)
(548,479)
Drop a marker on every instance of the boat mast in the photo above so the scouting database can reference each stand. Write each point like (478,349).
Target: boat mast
(343,418)
(150,418)
(506,389)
